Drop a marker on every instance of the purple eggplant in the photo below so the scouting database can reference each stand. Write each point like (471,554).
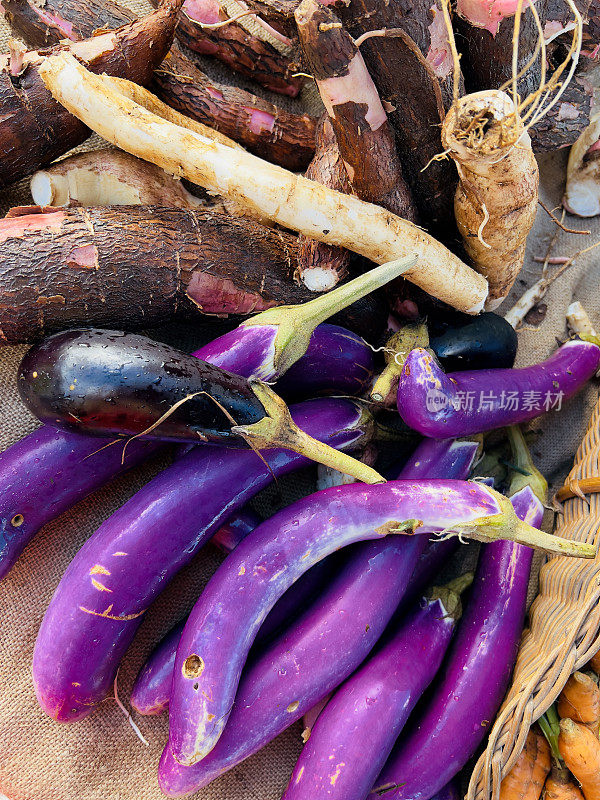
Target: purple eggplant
(448,730)
(356,730)
(46,473)
(326,644)
(101,599)
(463,403)
(215,643)
(336,362)
(152,688)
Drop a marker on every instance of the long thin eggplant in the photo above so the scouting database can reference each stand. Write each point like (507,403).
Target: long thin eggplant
(34,128)
(152,688)
(476,673)
(338,761)
(215,643)
(463,403)
(327,643)
(265,129)
(103,595)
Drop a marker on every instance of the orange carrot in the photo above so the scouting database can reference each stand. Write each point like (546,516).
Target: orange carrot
(580,699)
(560,785)
(526,779)
(580,750)
(594,663)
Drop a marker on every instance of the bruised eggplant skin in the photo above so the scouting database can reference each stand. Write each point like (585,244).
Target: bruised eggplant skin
(266,130)
(131,266)
(34,128)
(108,382)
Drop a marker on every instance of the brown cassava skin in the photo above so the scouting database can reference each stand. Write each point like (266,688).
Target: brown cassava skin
(580,750)
(128,267)
(526,779)
(365,138)
(34,128)
(109,177)
(412,96)
(566,121)
(289,140)
(500,176)
(242,52)
(327,168)
(286,139)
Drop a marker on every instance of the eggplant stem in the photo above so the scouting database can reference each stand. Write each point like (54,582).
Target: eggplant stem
(449,594)
(397,348)
(295,324)
(277,429)
(525,473)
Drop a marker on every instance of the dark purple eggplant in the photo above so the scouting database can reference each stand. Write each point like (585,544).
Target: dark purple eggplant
(479,342)
(114,383)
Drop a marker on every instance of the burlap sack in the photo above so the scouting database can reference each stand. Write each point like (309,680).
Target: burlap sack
(100,758)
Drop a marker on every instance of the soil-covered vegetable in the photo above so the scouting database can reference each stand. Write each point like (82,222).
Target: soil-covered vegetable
(102,597)
(34,128)
(497,194)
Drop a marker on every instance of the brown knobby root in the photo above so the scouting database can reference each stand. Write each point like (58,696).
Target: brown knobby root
(285,198)
(321,266)
(497,195)
(108,177)
(364,135)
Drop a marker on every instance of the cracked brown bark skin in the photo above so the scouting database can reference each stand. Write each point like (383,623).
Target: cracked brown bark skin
(328,169)
(132,266)
(365,138)
(242,52)
(282,137)
(487,59)
(35,129)
(565,121)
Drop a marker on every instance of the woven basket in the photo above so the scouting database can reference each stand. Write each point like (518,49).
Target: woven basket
(564,628)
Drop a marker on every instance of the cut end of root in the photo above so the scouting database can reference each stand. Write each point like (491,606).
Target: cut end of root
(483,123)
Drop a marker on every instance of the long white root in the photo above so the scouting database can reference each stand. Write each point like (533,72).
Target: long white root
(277,194)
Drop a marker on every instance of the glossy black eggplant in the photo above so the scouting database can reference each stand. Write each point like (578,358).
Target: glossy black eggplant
(464,342)
(108,382)
(111,383)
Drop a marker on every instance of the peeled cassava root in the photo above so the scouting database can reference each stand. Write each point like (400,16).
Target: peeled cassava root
(287,199)
(496,199)
(108,178)
(34,128)
(132,267)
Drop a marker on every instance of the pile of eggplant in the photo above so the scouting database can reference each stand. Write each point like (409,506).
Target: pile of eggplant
(391,382)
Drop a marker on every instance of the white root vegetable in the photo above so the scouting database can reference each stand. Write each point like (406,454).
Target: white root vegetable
(497,194)
(582,193)
(290,200)
(108,177)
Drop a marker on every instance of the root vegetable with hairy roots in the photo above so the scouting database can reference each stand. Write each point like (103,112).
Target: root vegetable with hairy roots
(497,195)
(284,198)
